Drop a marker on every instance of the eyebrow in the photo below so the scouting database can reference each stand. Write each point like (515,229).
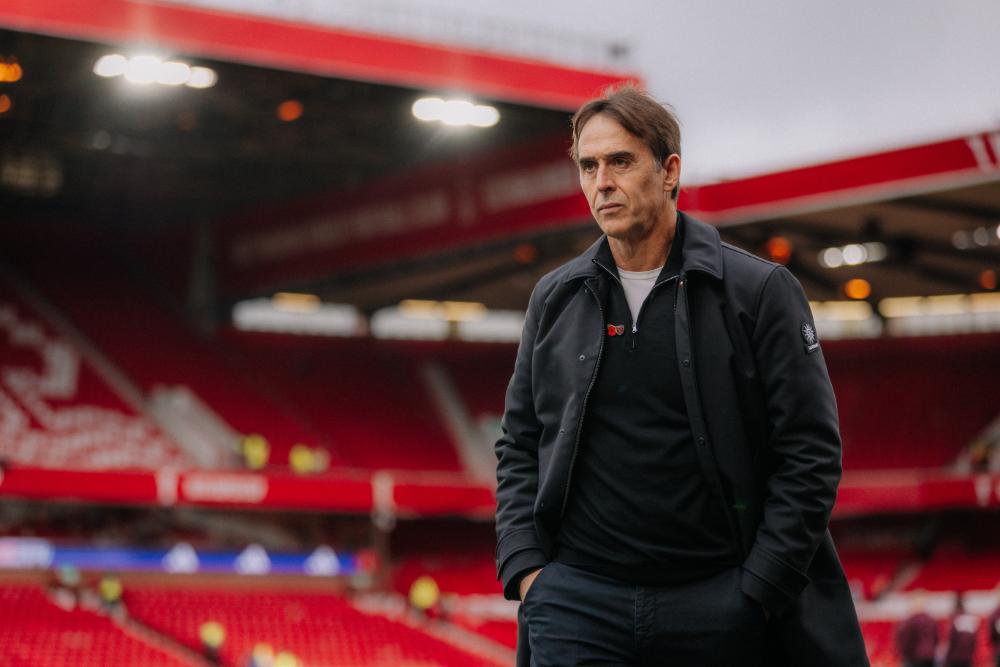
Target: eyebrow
(628,155)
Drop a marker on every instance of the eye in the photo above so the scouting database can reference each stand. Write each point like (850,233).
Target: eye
(588,167)
(620,162)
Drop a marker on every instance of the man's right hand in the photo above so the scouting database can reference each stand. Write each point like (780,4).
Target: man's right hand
(526,582)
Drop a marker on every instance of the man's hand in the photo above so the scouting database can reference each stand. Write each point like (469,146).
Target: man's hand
(526,582)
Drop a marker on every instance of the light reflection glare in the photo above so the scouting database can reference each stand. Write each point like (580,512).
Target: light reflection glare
(455,113)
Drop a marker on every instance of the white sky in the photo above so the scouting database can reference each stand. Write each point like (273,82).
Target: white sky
(772,84)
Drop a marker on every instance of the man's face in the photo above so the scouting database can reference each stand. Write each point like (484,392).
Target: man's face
(628,192)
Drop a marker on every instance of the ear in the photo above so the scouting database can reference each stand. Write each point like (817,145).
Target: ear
(671,172)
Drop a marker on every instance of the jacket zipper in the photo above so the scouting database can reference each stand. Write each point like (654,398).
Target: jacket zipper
(635,323)
(583,408)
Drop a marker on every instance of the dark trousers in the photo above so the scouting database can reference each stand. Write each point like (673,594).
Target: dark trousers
(578,618)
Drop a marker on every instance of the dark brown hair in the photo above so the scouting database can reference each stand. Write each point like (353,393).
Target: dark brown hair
(641,115)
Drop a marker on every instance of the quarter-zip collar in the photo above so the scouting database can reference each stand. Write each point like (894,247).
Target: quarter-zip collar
(701,250)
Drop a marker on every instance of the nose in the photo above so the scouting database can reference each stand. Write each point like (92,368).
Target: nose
(603,180)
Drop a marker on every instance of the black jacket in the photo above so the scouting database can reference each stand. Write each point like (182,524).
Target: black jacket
(762,413)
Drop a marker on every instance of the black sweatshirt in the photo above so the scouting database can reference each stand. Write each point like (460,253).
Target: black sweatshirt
(640,509)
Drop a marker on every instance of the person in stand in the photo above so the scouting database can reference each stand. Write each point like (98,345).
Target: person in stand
(670,451)
(961,637)
(993,625)
(917,636)
(110,590)
(212,635)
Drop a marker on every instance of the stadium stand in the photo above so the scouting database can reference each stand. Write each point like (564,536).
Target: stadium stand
(56,411)
(484,387)
(155,349)
(956,568)
(292,390)
(367,396)
(457,554)
(904,420)
(913,403)
(460,574)
(872,572)
(286,390)
(321,629)
(879,642)
(366,401)
(34,632)
(501,632)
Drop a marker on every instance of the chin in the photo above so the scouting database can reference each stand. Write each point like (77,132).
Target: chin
(618,229)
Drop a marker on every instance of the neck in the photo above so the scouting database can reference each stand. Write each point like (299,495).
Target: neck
(650,251)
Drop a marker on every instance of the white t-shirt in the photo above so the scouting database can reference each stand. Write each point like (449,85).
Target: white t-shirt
(638,285)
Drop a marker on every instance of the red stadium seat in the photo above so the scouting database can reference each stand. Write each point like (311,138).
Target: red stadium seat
(322,629)
(367,396)
(57,411)
(952,568)
(154,347)
(872,570)
(913,403)
(35,632)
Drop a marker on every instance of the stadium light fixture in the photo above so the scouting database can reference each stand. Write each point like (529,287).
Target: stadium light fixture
(849,311)
(909,306)
(390,322)
(290,111)
(845,319)
(453,311)
(111,65)
(499,326)
(295,302)
(418,319)
(202,77)
(941,314)
(980,237)
(145,69)
(857,288)
(455,113)
(10,70)
(779,249)
(173,74)
(852,255)
(302,314)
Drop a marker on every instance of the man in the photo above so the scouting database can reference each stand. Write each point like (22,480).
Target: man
(917,636)
(670,452)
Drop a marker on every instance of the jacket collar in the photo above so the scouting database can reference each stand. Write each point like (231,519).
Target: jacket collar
(701,250)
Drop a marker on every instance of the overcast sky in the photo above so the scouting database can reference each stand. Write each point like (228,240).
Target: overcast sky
(771,84)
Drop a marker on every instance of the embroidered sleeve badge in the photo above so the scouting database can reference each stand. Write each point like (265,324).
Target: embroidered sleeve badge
(810,337)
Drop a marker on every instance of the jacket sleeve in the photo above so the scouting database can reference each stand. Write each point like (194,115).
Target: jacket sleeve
(803,444)
(518,549)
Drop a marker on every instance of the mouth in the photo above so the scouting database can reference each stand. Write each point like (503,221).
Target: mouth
(605,208)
